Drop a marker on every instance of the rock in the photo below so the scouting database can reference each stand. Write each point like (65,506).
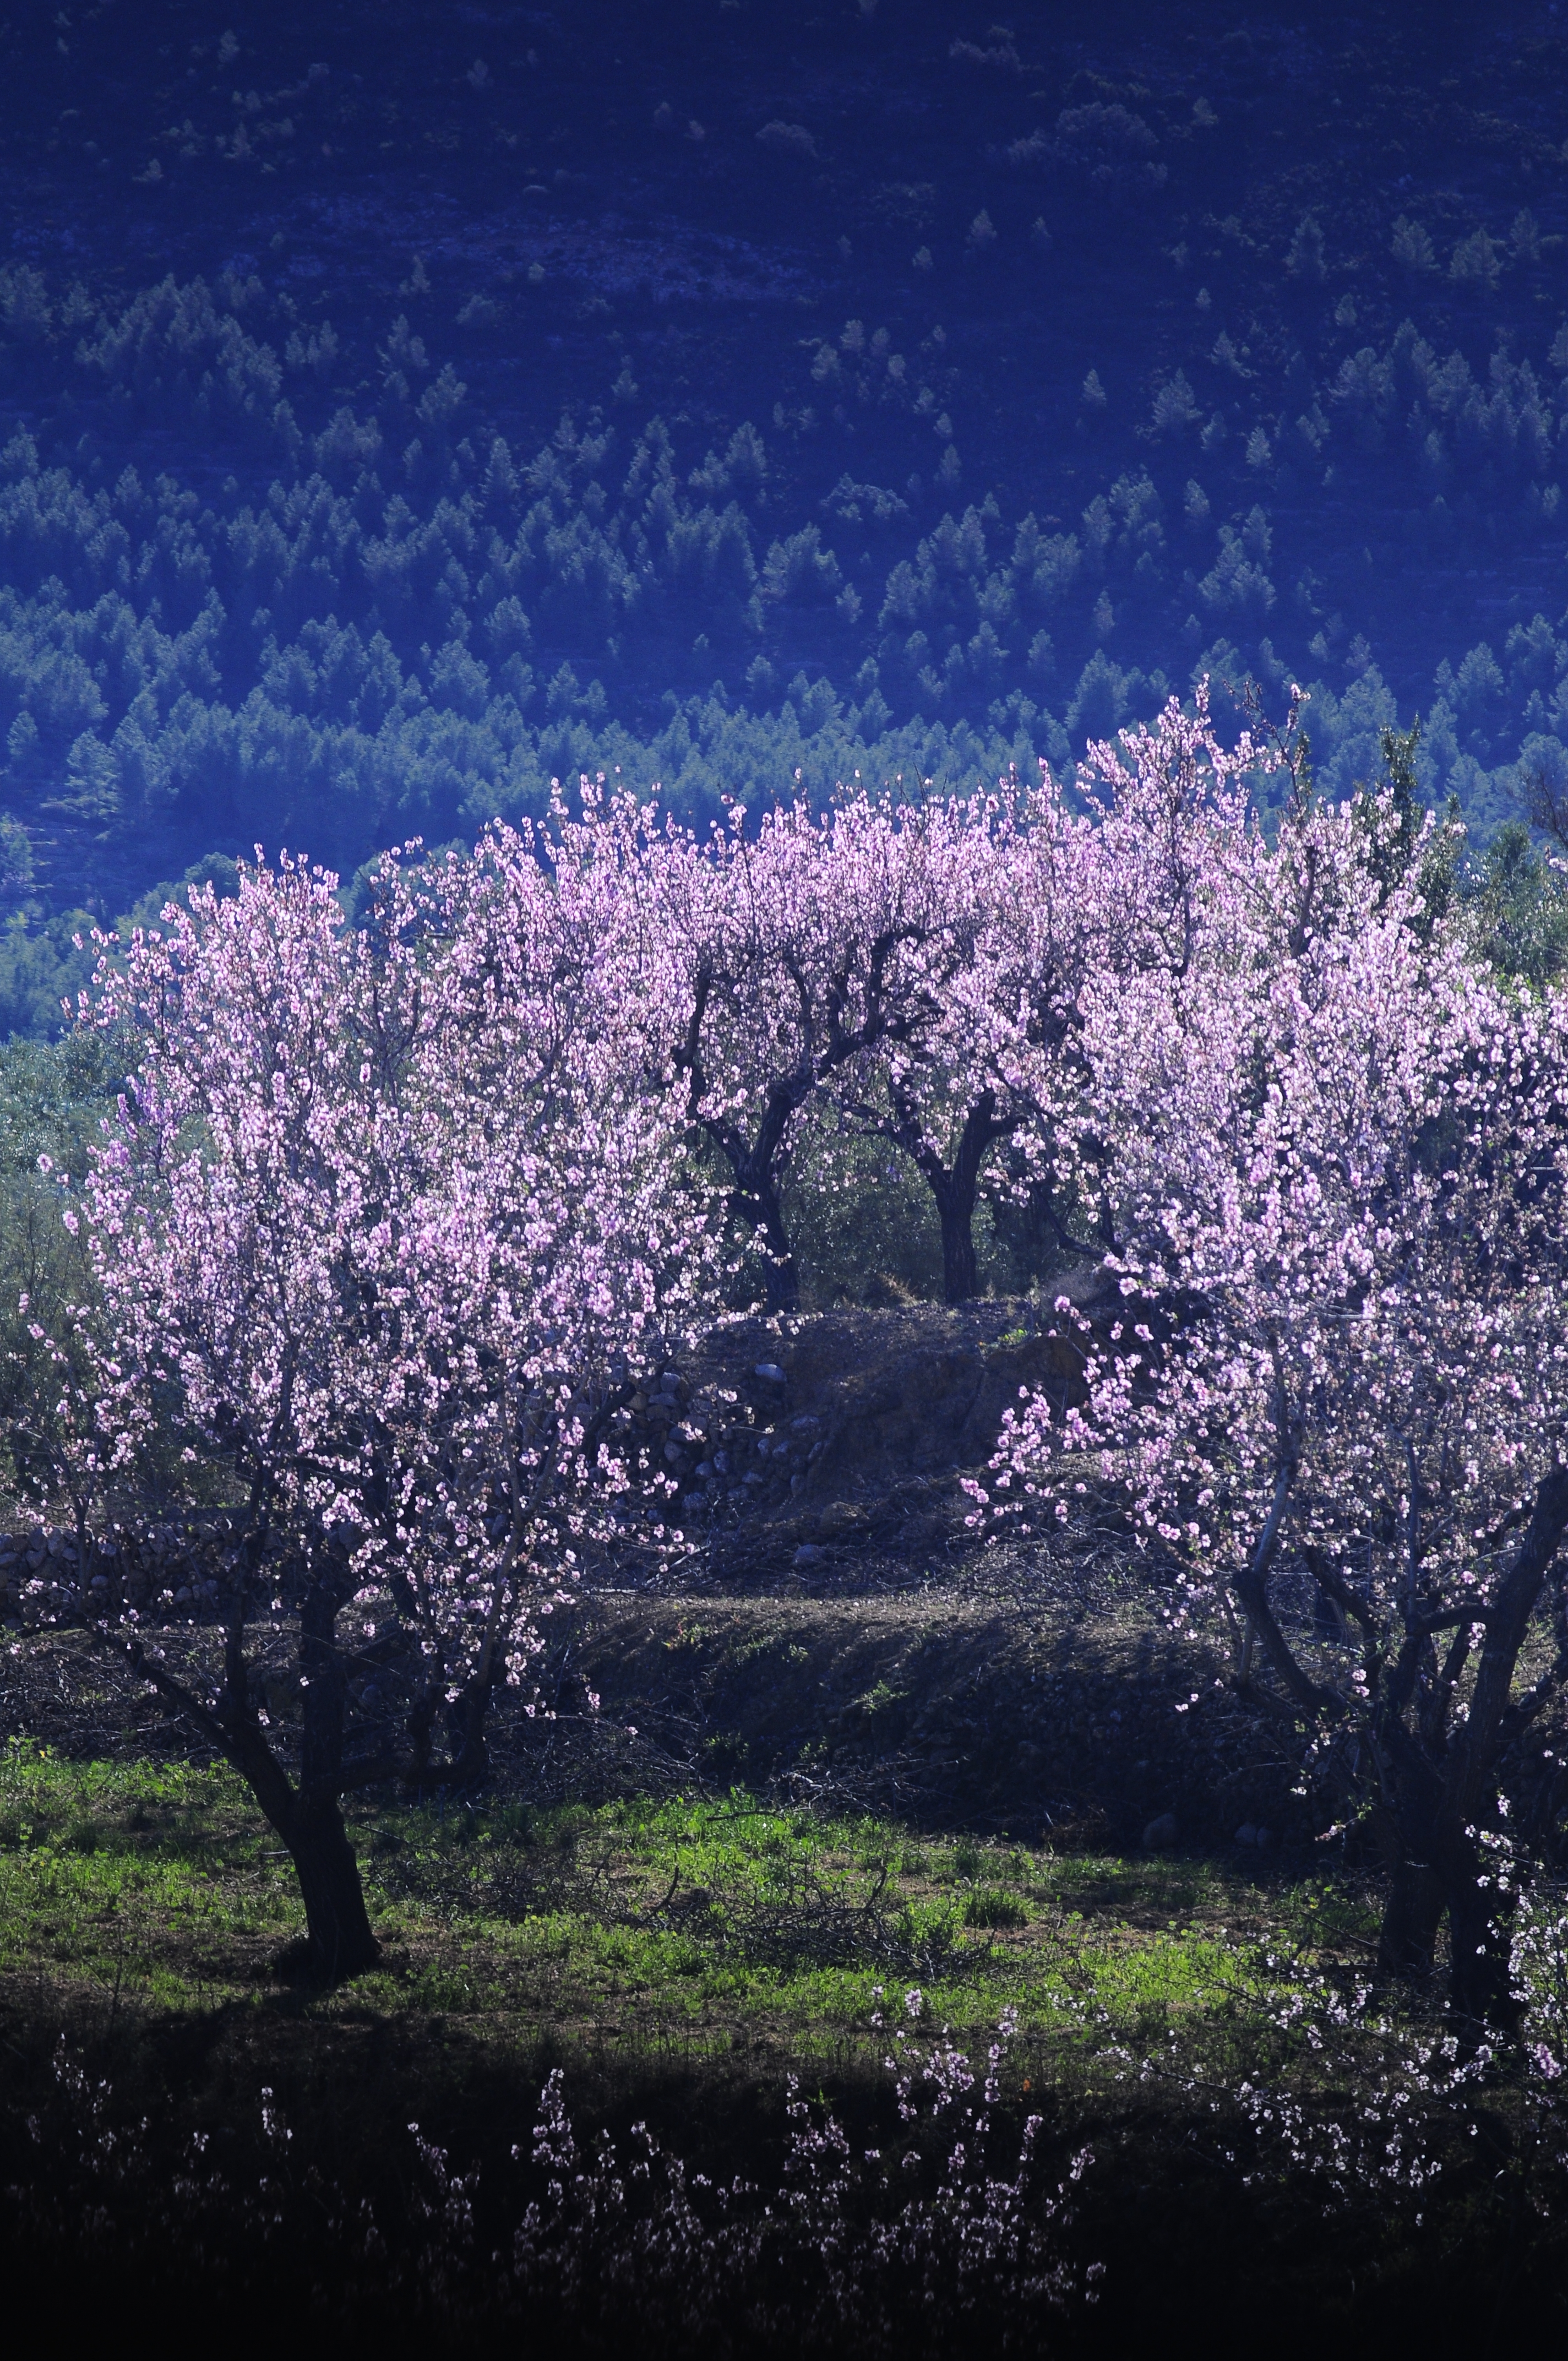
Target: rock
(769,1372)
(1246,1834)
(841,1517)
(808,1554)
(1161,1834)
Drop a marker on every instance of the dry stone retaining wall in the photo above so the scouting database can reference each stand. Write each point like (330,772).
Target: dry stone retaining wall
(46,1578)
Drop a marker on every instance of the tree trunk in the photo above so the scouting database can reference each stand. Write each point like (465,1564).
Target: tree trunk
(337,1924)
(1407,1940)
(757,1197)
(310,1820)
(467,1753)
(782,1285)
(960,1275)
(1481,1984)
(1480,1996)
(955,1191)
(1479,1915)
(306,1817)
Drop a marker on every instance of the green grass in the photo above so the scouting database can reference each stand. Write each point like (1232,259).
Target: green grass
(695,1924)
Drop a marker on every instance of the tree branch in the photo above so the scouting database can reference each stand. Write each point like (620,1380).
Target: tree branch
(1251,1587)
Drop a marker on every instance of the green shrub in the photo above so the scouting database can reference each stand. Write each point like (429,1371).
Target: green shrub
(993,1906)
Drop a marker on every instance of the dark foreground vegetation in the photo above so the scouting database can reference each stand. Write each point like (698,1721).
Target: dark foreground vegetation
(1223,2118)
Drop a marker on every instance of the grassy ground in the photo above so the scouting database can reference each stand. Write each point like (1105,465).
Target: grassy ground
(678,1958)
(697,1925)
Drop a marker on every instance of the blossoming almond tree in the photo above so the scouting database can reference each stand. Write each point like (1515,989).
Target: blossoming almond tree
(1044,898)
(1335,1161)
(1000,995)
(385,1228)
(791,955)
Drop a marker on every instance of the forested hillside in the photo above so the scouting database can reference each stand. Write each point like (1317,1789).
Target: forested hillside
(735,399)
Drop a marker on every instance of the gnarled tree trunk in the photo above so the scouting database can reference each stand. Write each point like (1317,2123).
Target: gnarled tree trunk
(756,1200)
(954,1187)
(337,1925)
(1442,1791)
(307,1816)
(1412,1913)
(309,1821)
(961,1274)
(1480,1932)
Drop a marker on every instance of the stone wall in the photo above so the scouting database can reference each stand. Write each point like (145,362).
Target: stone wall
(45,1579)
